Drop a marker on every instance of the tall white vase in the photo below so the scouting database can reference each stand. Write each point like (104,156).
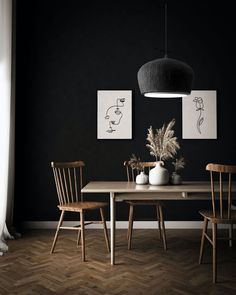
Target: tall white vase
(158,175)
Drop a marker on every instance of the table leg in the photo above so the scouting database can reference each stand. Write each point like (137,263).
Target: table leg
(113,226)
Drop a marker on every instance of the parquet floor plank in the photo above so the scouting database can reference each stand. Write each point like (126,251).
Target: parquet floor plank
(29,268)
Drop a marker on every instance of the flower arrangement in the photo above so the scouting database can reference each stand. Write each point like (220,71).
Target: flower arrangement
(162,142)
(179,163)
(135,163)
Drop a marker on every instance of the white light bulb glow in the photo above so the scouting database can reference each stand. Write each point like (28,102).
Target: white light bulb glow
(164,95)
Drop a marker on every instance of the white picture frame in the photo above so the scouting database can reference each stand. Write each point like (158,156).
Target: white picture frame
(114,114)
(199,115)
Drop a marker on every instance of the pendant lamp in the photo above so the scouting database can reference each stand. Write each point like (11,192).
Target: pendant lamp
(165,77)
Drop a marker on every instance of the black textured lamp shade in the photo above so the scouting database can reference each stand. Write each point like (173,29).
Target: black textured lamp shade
(165,77)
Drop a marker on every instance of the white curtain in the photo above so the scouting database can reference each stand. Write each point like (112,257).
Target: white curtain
(5,114)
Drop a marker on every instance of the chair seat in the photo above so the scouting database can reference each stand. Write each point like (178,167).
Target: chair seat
(78,206)
(143,202)
(209,215)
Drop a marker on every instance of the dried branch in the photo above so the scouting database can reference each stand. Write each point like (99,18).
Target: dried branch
(162,144)
(179,163)
(135,163)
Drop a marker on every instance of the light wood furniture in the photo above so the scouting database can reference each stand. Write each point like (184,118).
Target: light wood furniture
(131,175)
(221,212)
(124,190)
(68,178)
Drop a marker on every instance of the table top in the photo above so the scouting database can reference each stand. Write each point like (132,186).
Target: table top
(132,187)
(124,190)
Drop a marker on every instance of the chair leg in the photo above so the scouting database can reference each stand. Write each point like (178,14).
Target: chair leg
(82,234)
(105,229)
(57,231)
(163,227)
(79,236)
(204,230)
(231,235)
(158,219)
(214,240)
(130,228)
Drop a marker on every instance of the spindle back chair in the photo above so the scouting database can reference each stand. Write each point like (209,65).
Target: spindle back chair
(68,177)
(131,175)
(221,212)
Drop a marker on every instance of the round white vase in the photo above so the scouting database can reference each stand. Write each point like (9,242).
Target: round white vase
(142,178)
(158,175)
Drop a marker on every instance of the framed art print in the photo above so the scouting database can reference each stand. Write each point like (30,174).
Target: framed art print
(199,115)
(114,114)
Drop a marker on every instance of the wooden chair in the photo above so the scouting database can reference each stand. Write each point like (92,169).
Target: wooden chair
(221,212)
(131,175)
(68,180)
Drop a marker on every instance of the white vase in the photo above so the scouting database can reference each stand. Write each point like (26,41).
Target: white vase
(142,178)
(158,175)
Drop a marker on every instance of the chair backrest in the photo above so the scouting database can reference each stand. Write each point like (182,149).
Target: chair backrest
(68,180)
(132,173)
(222,171)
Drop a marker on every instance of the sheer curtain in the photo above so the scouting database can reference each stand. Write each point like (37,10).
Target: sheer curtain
(5,116)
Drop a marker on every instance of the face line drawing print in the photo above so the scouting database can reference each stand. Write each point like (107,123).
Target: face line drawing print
(110,111)
(199,104)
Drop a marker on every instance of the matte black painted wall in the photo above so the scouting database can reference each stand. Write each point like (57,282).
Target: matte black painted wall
(65,53)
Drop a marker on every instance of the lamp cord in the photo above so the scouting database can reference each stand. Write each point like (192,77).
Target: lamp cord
(166,29)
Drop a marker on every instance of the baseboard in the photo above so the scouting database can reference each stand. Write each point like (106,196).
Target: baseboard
(120,224)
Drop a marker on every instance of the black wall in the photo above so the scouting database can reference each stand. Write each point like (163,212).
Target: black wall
(66,52)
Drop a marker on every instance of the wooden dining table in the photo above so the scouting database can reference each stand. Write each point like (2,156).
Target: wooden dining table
(123,190)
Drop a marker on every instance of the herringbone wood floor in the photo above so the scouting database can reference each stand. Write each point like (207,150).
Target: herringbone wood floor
(28,268)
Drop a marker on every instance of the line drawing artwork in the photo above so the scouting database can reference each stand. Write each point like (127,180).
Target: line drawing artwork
(199,104)
(199,115)
(114,114)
